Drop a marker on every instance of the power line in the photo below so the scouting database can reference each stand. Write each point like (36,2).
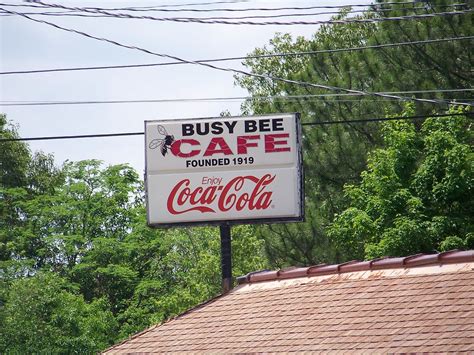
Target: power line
(73,13)
(157,7)
(199,4)
(319,123)
(357,97)
(160,8)
(98,15)
(292,23)
(263,23)
(238,71)
(292,54)
(376,6)
(77,136)
(382,119)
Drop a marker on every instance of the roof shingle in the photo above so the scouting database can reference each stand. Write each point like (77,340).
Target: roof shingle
(421,303)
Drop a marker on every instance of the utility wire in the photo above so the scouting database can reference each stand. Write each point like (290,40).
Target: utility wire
(281,55)
(357,97)
(295,8)
(319,123)
(77,136)
(73,13)
(469,115)
(263,23)
(98,15)
(238,71)
(157,7)
(292,23)
(337,50)
(376,7)
(198,4)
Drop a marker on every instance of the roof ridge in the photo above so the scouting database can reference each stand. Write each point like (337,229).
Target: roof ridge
(411,261)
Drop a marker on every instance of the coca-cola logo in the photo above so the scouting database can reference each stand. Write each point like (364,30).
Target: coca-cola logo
(242,192)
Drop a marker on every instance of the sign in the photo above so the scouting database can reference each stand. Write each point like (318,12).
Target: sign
(232,169)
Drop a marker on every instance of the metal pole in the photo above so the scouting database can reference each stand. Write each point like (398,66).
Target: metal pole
(226,258)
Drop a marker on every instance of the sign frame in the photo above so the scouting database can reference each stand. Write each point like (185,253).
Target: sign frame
(230,222)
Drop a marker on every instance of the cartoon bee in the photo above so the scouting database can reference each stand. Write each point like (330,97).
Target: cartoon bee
(163,143)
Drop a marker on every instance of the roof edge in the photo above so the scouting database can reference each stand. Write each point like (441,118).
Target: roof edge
(412,261)
(170,319)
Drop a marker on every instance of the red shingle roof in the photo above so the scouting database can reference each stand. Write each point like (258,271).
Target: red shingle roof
(421,303)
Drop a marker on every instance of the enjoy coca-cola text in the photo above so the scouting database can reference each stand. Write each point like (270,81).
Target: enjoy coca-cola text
(183,199)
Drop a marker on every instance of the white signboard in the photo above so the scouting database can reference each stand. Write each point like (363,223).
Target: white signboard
(232,169)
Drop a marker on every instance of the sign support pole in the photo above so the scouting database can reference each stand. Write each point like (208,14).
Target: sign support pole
(226,257)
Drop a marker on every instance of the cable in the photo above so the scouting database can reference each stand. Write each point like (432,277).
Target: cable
(264,23)
(161,9)
(72,13)
(72,137)
(59,14)
(185,19)
(292,23)
(220,99)
(158,7)
(266,77)
(199,3)
(377,7)
(367,120)
(320,123)
(324,51)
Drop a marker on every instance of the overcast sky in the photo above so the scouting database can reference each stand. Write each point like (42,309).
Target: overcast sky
(28,45)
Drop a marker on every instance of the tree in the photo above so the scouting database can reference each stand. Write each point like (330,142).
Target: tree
(53,223)
(14,160)
(335,155)
(89,234)
(23,177)
(182,270)
(44,314)
(416,195)
(14,157)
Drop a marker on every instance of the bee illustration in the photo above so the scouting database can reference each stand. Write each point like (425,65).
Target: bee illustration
(163,143)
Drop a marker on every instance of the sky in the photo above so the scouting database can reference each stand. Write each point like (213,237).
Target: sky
(26,45)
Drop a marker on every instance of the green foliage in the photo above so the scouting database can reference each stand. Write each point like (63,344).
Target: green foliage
(335,155)
(79,268)
(431,66)
(272,66)
(45,314)
(19,168)
(452,243)
(56,228)
(416,195)
(186,271)
(14,157)
(90,228)
(298,243)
